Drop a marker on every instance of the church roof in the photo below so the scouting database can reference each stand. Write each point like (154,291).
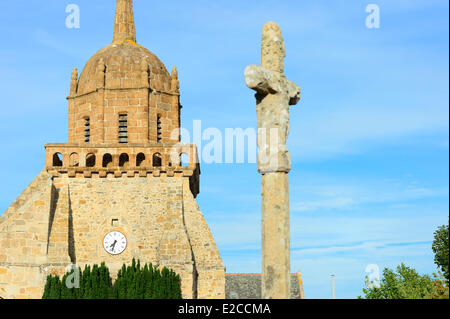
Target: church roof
(248,286)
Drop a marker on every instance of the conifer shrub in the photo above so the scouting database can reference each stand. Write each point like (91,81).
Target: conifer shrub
(133,282)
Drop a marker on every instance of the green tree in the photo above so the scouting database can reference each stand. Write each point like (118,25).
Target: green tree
(133,282)
(52,289)
(405,283)
(85,283)
(441,250)
(408,284)
(66,293)
(47,287)
(441,286)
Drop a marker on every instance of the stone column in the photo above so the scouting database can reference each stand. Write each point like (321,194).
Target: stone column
(274,94)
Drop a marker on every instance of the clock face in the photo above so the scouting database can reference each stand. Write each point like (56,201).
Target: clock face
(115,242)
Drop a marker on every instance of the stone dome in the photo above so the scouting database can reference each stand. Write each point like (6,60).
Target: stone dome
(123,62)
(124,93)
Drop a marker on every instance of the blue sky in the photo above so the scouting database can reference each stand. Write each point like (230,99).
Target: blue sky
(369,139)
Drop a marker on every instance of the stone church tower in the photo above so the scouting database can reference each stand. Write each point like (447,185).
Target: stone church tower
(119,178)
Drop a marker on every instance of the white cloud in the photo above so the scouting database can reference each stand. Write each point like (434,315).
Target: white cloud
(366,247)
(318,193)
(330,203)
(353,130)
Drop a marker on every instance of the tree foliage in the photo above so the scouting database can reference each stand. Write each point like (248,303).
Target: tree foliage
(133,282)
(440,249)
(148,282)
(405,283)
(441,287)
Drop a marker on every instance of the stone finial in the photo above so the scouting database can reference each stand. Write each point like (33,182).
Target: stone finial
(124,28)
(74,82)
(272,49)
(100,74)
(144,74)
(175,85)
(174,73)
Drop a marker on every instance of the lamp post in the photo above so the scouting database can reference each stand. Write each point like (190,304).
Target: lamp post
(332,287)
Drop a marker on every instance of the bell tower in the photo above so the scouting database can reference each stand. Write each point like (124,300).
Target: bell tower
(121,173)
(124,94)
(125,101)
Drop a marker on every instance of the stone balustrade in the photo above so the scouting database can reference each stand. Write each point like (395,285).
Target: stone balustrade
(118,159)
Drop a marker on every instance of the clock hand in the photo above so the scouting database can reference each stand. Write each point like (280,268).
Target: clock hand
(113,245)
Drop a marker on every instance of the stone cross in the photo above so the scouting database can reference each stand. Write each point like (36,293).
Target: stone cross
(274,94)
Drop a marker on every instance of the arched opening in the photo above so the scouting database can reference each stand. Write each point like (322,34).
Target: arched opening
(74,160)
(90,160)
(157,160)
(124,159)
(140,159)
(57,160)
(184,160)
(107,160)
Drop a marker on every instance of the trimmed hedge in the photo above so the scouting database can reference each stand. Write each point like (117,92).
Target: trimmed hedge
(133,282)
